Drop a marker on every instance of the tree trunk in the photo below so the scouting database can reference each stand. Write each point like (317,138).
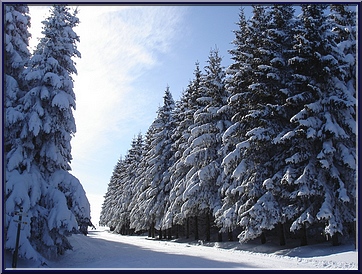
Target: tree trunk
(230,235)
(208,228)
(149,232)
(187,228)
(177,231)
(169,235)
(303,239)
(281,234)
(196,228)
(160,236)
(335,239)
(153,230)
(263,238)
(219,237)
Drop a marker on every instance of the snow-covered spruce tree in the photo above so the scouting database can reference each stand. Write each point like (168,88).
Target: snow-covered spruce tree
(266,118)
(138,218)
(16,55)
(320,171)
(18,192)
(107,215)
(37,167)
(201,196)
(343,20)
(254,149)
(345,25)
(239,74)
(184,122)
(126,186)
(159,158)
(247,140)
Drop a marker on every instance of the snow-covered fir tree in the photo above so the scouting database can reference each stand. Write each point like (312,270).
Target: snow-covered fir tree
(260,157)
(343,19)
(184,122)
(137,215)
(16,55)
(201,196)
(159,158)
(107,212)
(38,164)
(280,37)
(254,149)
(239,73)
(271,145)
(318,179)
(252,90)
(112,210)
(126,186)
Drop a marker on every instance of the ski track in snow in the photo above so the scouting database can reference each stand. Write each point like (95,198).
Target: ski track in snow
(102,249)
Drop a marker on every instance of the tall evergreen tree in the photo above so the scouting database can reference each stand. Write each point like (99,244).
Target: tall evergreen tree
(184,121)
(51,98)
(266,119)
(126,185)
(247,139)
(39,162)
(16,56)
(345,26)
(343,20)
(319,175)
(201,196)
(159,158)
(107,215)
(138,217)
(239,75)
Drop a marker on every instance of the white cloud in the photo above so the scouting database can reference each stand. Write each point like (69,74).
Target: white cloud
(118,44)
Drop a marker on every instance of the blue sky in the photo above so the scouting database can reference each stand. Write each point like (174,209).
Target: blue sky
(129,55)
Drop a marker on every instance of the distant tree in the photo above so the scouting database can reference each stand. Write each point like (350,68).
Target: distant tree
(126,185)
(107,215)
(138,217)
(38,164)
(183,116)
(159,158)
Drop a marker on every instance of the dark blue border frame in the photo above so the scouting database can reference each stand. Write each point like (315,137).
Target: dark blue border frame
(44,270)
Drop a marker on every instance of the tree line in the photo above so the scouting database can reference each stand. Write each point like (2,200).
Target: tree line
(264,147)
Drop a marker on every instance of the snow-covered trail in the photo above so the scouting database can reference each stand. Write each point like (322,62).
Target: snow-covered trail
(101,249)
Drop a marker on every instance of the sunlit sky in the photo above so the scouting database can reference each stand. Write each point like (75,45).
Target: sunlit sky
(130,53)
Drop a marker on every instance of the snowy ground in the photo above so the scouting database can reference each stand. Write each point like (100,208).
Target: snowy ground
(102,249)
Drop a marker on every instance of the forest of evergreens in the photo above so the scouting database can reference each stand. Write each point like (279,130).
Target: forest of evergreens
(263,148)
